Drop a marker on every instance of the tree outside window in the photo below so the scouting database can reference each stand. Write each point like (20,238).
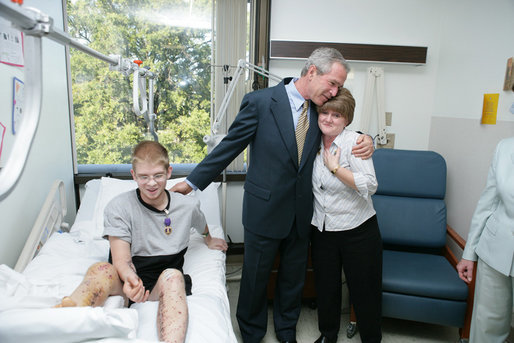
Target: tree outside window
(173,38)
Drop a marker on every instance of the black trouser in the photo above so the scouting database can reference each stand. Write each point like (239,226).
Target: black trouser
(359,253)
(252,306)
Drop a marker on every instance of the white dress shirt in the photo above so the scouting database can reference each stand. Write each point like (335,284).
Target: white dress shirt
(296,101)
(337,206)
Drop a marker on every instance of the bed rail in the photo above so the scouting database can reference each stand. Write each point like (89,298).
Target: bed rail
(49,220)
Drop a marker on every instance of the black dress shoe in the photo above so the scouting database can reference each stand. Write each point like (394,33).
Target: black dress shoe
(325,339)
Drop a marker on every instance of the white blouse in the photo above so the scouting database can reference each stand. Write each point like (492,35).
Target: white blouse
(336,205)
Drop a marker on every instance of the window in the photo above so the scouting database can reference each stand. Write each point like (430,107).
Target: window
(174,39)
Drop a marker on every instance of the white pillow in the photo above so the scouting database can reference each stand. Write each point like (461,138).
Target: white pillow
(210,204)
(88,200)
(71,324)
(111,187)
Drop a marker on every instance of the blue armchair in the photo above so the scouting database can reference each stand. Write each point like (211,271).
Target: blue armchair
(419,281)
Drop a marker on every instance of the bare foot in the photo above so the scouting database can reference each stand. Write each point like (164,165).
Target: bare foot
(66,302)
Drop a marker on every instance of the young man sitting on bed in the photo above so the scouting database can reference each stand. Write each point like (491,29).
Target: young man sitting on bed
(148,231)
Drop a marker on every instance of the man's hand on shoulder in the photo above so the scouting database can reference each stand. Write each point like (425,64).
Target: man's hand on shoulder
(181,187)
(364,148)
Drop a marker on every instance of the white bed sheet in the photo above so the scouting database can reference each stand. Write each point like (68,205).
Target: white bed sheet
(64,259)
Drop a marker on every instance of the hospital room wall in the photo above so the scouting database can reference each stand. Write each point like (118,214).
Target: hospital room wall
(50,157)
(434,106)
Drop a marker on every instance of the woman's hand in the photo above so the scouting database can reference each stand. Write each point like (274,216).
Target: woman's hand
(465,269)
(331,161)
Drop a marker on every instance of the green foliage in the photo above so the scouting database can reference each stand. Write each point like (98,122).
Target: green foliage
(105,126)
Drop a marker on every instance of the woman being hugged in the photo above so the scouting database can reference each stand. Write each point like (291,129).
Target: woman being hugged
(345,232)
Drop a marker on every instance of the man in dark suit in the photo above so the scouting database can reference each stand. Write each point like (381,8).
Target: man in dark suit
(278,200)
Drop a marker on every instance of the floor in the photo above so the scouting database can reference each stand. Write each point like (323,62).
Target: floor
(393,330)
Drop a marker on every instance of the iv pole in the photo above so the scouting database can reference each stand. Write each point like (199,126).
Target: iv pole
(214,138)
(36,25)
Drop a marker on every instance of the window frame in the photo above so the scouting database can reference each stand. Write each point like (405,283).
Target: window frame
(259,28)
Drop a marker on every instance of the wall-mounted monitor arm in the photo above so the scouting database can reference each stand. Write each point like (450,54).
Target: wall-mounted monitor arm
(36,25)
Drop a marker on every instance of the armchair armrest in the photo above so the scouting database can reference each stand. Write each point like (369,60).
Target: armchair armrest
(461,243)
(455,236)
(464,332)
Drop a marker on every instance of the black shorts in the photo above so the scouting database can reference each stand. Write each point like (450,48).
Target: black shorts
(149,268)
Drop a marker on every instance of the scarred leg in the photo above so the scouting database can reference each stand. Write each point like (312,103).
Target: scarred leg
(172,313)
(100,281)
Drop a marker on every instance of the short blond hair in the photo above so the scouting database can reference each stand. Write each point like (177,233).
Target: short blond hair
(150,152)
(342,103)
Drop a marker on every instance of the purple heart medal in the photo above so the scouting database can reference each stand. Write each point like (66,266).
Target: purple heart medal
(167,223)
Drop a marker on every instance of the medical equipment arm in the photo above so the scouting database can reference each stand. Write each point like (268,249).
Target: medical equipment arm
(374,82)
(36,25)
(241,66)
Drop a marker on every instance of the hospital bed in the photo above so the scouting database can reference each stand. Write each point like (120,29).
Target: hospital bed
(61,259)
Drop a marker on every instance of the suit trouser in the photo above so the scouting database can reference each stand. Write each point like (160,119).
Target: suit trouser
(492,308)
(359,252)
(252,306)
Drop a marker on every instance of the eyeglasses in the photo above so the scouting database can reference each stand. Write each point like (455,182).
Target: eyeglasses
(147,178)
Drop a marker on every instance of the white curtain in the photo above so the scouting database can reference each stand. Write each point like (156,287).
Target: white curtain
(230,40)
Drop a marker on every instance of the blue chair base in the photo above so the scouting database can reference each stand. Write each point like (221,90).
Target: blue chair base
(427,310)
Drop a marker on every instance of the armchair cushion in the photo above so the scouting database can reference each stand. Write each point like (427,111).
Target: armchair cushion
(423,275)
(411,222)
(410,173)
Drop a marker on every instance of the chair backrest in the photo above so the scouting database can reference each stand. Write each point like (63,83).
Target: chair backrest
(409,200)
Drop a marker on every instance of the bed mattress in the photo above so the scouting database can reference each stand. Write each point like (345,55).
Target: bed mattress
(26,298)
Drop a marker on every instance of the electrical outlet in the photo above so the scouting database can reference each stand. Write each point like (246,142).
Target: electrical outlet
(390,142)
(389,118)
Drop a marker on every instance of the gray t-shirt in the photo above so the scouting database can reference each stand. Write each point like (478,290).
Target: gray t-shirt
(126,217)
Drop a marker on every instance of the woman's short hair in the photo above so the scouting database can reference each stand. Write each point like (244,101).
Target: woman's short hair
(150,152)
(342,103)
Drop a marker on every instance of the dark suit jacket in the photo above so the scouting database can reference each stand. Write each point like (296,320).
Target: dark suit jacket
(277,190)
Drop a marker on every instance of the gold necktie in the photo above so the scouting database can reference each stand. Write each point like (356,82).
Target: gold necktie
(301,129)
